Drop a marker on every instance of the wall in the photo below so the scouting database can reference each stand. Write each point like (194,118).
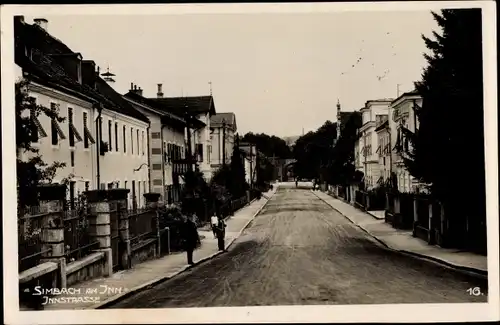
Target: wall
(402,111)
(117,166)
(84,158)
(203,137)
(216,158)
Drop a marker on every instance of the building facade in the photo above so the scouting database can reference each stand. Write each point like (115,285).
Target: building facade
(384,151)
(167,145)
(197,110)
(403,115)
(249,153)
(101,139)
(374,112)
(223,132)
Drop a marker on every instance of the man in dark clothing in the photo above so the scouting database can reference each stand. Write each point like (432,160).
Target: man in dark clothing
(221,234)
(191,239)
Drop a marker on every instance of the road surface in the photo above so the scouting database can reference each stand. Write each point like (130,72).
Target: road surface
(300,251)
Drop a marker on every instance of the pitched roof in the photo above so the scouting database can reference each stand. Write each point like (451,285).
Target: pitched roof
(41,56)
(155,106)
(407,94)
(192,105)
(219,118)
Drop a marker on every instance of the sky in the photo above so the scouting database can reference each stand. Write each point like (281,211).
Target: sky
(280,73)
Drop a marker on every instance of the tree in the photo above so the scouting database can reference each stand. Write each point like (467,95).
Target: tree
(447,151)
(268,145)
(32,171)
(313,151)
(238,184)
(341,169)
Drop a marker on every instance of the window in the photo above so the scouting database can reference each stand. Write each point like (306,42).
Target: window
(53,128)
(124,140)
(86,132)
(143,143)
(110,140)
(116,136)
(138,149)
(87,186)
(70,130)
(131,141)
(134,198)
(56,131)
(125,184)
(72,153)
(199,151)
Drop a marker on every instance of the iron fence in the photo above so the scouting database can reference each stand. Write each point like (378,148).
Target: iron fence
(78,241)
(422,211)
(390,202)
(30,249)
(360,198)
(377,200)
(239,203)
(115,238)
(142,224)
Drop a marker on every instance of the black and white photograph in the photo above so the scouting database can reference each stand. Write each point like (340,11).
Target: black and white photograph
(223,163)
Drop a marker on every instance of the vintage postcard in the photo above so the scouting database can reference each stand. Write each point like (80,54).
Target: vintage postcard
(244,163)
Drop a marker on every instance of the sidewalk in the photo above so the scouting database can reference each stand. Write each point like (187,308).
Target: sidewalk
(141,276)
(404,242)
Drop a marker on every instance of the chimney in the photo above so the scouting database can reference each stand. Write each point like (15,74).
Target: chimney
(42,23)
(134,89)
(89,73)
(159,94)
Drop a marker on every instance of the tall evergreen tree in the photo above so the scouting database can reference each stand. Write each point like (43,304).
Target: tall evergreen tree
(31,169)
(448,148)
(238,180)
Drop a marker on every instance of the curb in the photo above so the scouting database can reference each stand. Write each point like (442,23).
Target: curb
(144,286)
(463,269)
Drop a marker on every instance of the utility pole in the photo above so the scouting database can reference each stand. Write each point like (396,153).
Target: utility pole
(224,142)
(189,150)
(398,89)
(251,163)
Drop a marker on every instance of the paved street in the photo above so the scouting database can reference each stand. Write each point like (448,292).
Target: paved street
(301,251)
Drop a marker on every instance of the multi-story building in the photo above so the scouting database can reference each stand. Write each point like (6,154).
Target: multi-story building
(384,150)
(167,144)
(223,132)
(374,112)
(249,153)
(101,140)
(199,109)
(403,114)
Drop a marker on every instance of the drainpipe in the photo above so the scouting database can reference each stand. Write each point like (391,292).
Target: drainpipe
(98,143)
(149,155)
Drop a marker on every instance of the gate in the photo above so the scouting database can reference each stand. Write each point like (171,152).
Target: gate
(115,240)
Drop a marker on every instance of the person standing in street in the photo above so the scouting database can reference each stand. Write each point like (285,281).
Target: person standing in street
(221,234)
(214,220)
(191,238)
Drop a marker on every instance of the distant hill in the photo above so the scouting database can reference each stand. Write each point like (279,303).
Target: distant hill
(290,141)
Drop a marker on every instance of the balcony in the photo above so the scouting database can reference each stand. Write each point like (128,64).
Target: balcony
(182,166)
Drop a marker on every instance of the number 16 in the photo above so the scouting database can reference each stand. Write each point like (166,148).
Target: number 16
(476,291)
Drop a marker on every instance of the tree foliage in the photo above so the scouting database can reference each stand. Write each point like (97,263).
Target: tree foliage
(341,169)
(313,151)
(451,130)
(269,145)
(31,169)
